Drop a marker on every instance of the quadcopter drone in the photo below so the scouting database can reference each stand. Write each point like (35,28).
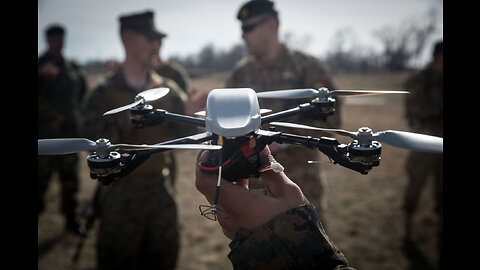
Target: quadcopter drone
(233,121)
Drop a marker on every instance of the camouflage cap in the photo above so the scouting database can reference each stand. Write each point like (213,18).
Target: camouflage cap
(142,23)
(256,7)
(438,48)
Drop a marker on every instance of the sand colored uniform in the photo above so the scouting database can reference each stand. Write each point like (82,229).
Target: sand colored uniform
(139,226)
(291,70)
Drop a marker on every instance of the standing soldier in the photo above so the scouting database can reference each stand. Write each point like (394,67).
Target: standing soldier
(424,111)
(61,86)
(271,65)
(139,227)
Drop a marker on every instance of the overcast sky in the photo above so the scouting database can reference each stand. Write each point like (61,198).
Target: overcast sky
(92,25)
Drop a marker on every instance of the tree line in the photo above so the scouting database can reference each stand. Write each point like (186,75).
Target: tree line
(400,46)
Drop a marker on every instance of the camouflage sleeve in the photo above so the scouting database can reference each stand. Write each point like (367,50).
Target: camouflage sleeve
(94,125)
(424,104)
(239,75)
(292,240)
(182,77)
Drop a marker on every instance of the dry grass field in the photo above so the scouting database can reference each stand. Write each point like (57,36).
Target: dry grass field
(364,211)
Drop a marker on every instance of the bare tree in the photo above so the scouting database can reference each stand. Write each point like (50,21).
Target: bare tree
(403,43)
(346,55)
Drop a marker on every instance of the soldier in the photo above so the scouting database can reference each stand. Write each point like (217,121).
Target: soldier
(139,227)
(424,111)
(271,228)
(271,65)
(61,86)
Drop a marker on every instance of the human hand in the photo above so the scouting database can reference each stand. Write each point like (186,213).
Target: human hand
(241,207)
(196,102)
(49,69)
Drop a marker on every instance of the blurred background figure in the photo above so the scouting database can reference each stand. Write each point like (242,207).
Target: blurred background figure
(177,73)
(272,65)
(170,69)
(424,111)
(61,86)
(139,227)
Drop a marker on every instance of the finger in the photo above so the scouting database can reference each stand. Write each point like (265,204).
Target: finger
(266,156)
(203,156)
(274,182)
(243,183)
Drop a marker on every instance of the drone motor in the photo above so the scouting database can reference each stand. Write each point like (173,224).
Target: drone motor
(364,150)
(139,114)
(103,162)
(319,108)
(103,166)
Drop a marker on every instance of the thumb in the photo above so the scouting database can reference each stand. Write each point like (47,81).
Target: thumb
(276,182)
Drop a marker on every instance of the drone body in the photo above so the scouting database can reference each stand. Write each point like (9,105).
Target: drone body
(232,112)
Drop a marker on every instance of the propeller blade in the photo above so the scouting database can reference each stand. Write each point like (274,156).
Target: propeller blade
(289,94)
(262,111)
(147,95)
(200,113)
(322,93)
(410,140)
(154,94)
(64,146)
(333,131)
(363,92)
(123,108)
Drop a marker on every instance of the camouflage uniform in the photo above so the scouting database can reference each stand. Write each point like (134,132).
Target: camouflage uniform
(175,72)
(178,74)
(424,108)
(58,103)
(292,69)
(139,226)
(292,240)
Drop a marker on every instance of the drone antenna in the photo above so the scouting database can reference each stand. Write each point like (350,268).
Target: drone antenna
(217,190)
(213,208)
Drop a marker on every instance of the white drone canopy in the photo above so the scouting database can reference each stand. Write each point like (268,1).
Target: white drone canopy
(232,112)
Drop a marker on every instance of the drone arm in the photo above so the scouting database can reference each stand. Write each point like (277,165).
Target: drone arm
(329,146)
(283,114)
(314,110)
(164,115)
(132,159)
(129,162)
(147,117)
(193,139)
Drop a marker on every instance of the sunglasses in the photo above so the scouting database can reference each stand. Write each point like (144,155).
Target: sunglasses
(250,27)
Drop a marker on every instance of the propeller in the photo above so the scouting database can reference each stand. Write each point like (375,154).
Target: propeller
(322,93)
(103,146)
(401,139)
(142,97)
